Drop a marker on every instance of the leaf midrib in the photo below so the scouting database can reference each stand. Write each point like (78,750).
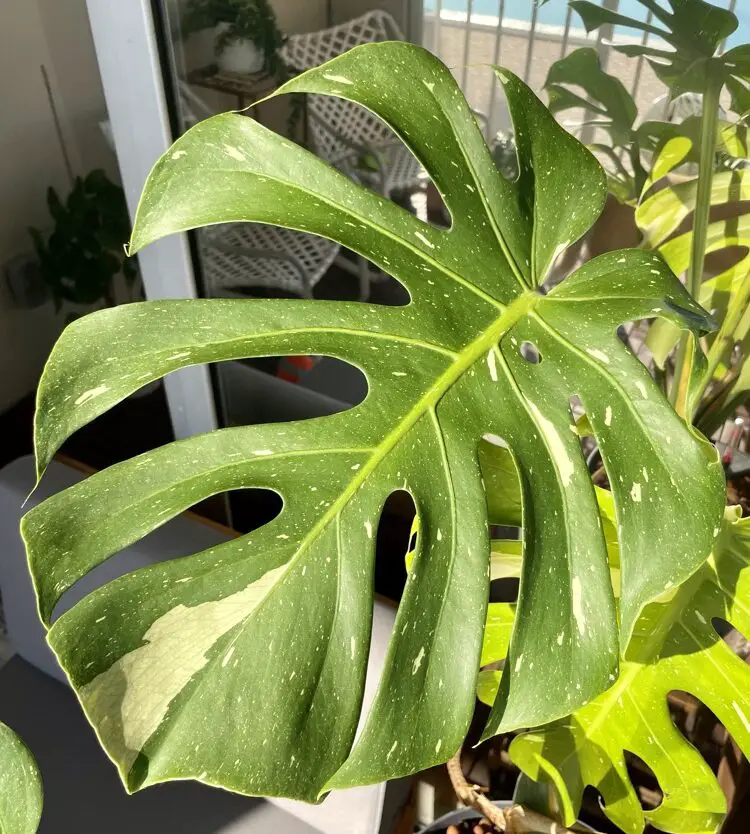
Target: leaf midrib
(464,360)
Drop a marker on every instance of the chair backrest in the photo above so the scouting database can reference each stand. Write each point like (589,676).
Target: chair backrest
(339,127)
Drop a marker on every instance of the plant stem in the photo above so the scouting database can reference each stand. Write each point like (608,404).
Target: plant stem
(709,126)
(514,820)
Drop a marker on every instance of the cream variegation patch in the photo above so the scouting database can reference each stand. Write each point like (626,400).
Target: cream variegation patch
(128,701)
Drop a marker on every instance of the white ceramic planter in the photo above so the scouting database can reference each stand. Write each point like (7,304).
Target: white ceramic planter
(239,56)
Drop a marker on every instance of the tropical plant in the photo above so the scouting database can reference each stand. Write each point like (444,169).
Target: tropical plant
(577,82)
(82,256)
(687,57)
(243,666)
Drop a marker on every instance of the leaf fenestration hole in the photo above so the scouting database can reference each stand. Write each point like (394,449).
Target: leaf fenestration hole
(200,527)
(277,389)
(530,352)
(734,638)
(395,538)
(644,781)
(698,724)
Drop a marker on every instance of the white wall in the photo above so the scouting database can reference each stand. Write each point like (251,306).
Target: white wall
(53,33)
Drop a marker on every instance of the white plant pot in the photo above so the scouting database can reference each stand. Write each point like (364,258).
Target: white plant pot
(239,56)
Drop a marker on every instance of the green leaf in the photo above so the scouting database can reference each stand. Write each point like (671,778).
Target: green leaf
(270,631)
(675,647)
(20,786)
(693,28)
(501,484)
(606,95)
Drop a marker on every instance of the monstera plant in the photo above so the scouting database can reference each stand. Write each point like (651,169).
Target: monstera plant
(243,666)
(683,43)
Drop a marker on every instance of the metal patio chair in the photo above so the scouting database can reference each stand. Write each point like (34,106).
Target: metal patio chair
(343,133)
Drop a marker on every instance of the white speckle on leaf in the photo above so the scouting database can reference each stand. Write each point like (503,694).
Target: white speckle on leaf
(91,394)
(398,373)
(368,528)
(182,355)
(338,79)
(417,661)
(635,492)
(235,153)
(424,240)
(227,657)
(645,474)
(642,388)
(439,535)
(519,661)
(438,745)
(701,617)
(262,452)
(393,747)
(429,84)
(491,365)
(560,637)
(578,614)
(598,354)
(178,155)
(352,646)
(742,716)
(556,446)
(100,620)
(608,416)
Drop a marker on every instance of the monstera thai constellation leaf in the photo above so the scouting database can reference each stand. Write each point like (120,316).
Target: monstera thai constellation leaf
(243,665)
(675,647)
(20,786)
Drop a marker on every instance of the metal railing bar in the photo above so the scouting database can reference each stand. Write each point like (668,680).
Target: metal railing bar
(566,33)
(603,41)
(732,6)
(532,40)
(467,44)
(436,27)
(641,59)
(496,61)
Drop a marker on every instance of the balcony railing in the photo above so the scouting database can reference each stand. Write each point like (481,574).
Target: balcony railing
(473,34)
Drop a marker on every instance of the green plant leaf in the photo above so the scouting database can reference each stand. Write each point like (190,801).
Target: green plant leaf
(20,786)
(675,647)
(271,630)
(606,96)
(693,28)
(662,213)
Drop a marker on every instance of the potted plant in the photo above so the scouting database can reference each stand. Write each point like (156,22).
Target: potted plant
(259,646)
(83,255)
(247,38)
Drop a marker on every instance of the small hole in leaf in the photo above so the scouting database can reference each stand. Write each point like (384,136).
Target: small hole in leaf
(530,352)
(644,781)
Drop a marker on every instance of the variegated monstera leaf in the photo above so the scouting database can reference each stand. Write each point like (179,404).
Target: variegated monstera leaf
(244,665)
(675,647)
